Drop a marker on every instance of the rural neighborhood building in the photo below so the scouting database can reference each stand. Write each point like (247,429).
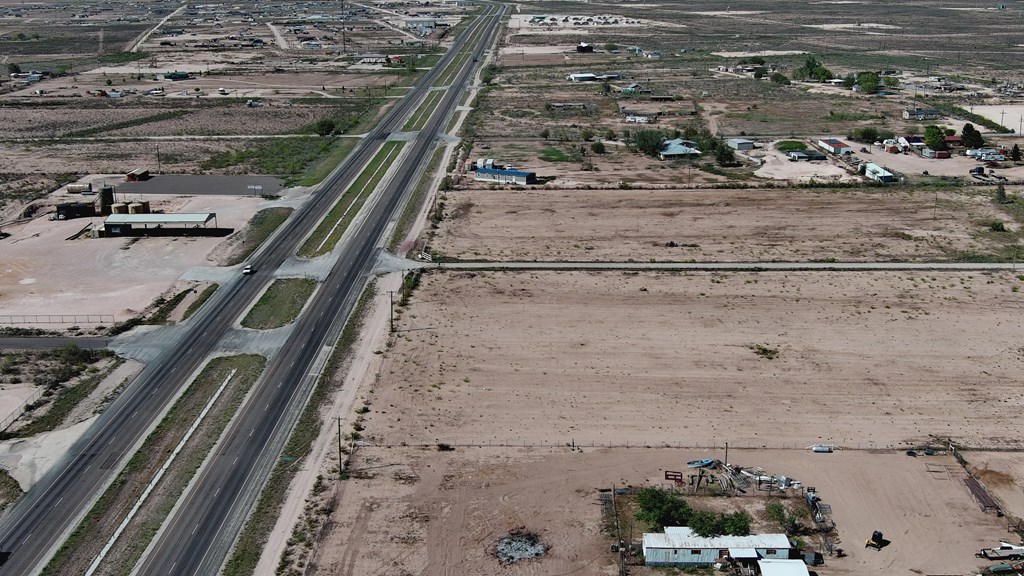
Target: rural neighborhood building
(504,176)
(835,146)
(877,173)
(740,144)
(678,148)
(910,141)
(808,155)
(129,224)
(921,114)
(638,119)
(783,568)
(588,77)
(679,546)
(421,23)
(584,48)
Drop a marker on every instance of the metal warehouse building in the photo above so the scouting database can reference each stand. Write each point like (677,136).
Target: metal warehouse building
(504,176)
(679,546)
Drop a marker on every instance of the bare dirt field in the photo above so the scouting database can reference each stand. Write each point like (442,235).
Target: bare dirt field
(424,512)
(714,225)
(43,273)
(863,359)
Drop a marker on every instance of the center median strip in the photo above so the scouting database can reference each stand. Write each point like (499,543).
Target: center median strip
(139,499)
(330,230)
(422,114)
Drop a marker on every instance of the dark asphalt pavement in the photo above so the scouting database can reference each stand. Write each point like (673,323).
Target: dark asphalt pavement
(202,531)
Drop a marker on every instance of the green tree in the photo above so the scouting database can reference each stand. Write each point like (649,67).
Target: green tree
(787,520)
(545,133)
(1000,197)
(647,141)
(935,138)
(609,134)
(13,68)
(660,508)
(587,134)
(736,524)
(890,81)
(780,79)
(868,81)
(724,155)
(849,80)
(970,137)
(324,127)
(1015,154)
(597,148)
(705,524)
(867,134)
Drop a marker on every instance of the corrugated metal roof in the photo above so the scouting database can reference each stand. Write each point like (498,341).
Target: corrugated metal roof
(743,552)
(782,568)
(681,537)
(505,172)
(180,218)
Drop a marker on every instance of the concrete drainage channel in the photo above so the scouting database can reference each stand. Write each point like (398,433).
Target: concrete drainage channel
(518,545)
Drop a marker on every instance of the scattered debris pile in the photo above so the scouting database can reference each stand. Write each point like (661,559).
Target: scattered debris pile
(520,544)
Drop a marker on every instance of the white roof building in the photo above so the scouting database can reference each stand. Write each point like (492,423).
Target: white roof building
(683,537)
(783,568)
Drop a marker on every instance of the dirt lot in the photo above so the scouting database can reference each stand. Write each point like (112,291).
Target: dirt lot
(863,359)
(427,513)
(713,225)
(43,273)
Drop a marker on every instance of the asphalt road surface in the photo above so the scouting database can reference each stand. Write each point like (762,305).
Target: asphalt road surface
(199,535)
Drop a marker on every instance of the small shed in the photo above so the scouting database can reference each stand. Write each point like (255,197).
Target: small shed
(770,567)
(921,114)
(584,48)
(877,173)
(835,146)
(740,144)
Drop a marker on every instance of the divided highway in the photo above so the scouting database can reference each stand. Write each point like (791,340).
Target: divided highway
(198,536)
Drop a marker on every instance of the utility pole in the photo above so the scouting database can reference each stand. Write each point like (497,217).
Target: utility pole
(391,309)
(341,460)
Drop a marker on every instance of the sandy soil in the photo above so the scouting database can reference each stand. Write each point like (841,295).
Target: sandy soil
(1011,115)
(777,166)
(711,225)
(1003,474)
(864,359)
(28,459)
(434,513)
(117,276)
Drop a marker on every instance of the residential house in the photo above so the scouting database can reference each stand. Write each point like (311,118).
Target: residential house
(678,148)
(679,546)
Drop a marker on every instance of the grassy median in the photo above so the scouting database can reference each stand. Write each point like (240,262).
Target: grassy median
(256,233)
(280,304)
(330,230)
(85,543)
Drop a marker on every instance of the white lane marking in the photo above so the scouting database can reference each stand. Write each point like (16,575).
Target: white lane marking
(156,479)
